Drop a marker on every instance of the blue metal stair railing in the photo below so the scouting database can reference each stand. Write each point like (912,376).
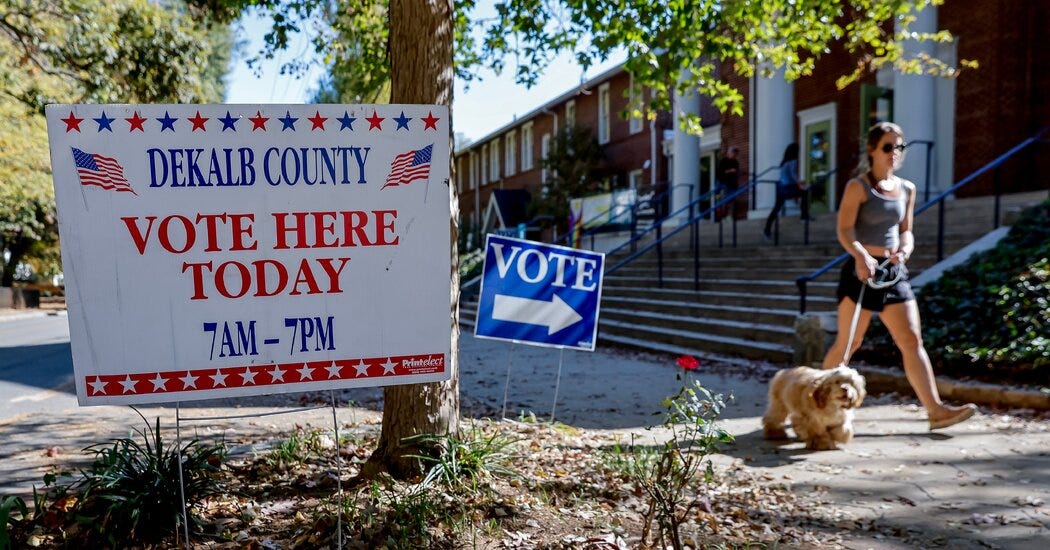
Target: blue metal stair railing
(995,164)
(690,222)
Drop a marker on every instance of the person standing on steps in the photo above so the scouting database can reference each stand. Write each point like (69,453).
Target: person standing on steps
(875,224)
(788,187)
(728,176)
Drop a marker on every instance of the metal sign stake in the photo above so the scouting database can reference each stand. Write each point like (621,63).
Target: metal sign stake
(338,477)
(182,484)
(557,383)
(506,385)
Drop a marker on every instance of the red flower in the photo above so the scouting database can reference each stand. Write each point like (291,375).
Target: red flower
(688,362)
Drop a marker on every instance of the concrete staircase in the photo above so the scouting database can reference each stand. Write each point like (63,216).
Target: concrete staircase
(745,303)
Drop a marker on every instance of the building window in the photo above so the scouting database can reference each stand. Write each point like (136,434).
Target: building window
(635,102)
(570,113)
(603,113)
(484,165)
(510,148)
(494,160)
(545,149)
(526,147)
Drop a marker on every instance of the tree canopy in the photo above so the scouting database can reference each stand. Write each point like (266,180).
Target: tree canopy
(675,45)
(80,51)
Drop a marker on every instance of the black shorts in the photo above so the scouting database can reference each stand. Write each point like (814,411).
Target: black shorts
(874,299)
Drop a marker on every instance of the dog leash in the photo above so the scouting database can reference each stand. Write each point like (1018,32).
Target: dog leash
(875,284)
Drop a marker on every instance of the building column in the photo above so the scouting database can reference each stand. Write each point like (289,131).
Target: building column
(773,129)
(685,170)
(914,105)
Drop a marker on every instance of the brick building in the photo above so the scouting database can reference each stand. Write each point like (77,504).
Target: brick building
(511,158)
(954,126)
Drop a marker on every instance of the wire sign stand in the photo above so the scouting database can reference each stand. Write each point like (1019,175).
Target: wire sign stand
(337,459)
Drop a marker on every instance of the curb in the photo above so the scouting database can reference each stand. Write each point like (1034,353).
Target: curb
(10,315)
(882,379)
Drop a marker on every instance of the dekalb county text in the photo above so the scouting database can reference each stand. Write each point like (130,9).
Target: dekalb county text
(178,234)
(223,168)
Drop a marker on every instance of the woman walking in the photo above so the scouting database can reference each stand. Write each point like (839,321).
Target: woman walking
(875,225)
(788,187)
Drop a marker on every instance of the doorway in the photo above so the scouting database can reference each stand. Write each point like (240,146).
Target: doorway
(818,165)
(817,157)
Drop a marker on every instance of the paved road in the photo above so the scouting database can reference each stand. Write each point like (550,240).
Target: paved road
(982,484)
(36,367)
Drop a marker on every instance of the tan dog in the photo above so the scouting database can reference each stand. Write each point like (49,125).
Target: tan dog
(818,402)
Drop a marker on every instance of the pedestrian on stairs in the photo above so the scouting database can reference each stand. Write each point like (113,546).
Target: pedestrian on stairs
(789,186)
(875,225)
(728,176)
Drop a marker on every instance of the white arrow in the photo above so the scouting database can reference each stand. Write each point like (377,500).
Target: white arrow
(555,315)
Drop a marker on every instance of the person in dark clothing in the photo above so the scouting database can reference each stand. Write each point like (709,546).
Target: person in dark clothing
(788,187)
(728,176)
(729,171)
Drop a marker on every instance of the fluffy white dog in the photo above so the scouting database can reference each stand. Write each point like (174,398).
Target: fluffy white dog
(818,402)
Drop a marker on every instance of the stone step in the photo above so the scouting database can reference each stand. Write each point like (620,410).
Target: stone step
(743,299)
(765,286)
(702,355)
(724,270)
(745,330)
(660,338)
(773,316)
(767,251)
(781,268)
(793,231)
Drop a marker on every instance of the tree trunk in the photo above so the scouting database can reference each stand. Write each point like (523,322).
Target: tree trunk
(420,52)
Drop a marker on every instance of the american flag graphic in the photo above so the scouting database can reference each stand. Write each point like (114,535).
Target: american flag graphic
(410,166)
(102,171)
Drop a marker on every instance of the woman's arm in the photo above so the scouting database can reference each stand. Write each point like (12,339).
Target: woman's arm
(795,175)
(854,194)
(907,244)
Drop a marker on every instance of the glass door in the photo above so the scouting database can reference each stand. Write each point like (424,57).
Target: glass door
(707,179)
(818,161)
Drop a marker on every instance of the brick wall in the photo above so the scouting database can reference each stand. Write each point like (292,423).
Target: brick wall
(820,89)
(1004,100)
(624,152)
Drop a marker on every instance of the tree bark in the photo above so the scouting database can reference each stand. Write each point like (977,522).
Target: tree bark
(420,53)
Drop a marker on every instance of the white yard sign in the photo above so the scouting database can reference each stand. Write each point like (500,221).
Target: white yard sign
(229,250)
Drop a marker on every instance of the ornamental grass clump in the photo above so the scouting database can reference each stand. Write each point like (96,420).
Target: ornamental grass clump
(130,494)
(463,461)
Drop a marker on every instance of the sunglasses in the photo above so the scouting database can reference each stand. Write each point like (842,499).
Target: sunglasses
(887,147)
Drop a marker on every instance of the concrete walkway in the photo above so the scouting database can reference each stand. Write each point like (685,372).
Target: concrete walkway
(981,484)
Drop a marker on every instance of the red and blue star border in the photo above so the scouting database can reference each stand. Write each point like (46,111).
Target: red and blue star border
(320,373)
(249,122)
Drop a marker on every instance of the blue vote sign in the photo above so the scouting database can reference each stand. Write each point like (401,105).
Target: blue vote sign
(540,294)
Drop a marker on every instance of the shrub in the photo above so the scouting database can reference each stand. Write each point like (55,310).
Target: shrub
(131,491)
(668,474)
(990,317)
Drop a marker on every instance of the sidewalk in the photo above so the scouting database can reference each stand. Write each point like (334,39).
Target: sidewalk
(981,484)
(9,314)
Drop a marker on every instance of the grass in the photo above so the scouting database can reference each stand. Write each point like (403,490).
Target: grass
(463,461)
